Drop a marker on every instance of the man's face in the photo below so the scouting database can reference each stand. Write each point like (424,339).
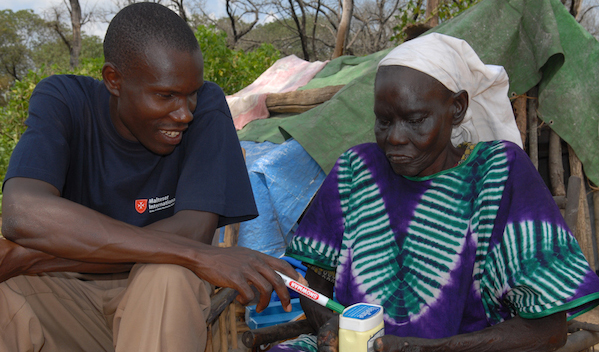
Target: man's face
(414,119)
(157,98)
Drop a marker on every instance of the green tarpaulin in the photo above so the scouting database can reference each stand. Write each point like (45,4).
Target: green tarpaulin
(538,42)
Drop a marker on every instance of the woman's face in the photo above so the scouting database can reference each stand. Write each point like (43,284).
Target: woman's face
(415,114)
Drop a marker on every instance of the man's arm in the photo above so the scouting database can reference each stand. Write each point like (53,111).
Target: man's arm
(517,334)
(36,217)
(193,224)
(17,260)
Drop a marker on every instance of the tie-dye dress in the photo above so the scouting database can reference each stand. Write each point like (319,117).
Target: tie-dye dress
(445,254)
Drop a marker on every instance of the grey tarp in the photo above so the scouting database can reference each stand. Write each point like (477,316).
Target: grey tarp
(538,42)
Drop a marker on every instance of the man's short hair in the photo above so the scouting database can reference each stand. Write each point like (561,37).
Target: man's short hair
(140,25)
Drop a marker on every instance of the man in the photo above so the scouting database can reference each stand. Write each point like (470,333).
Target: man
(126,180)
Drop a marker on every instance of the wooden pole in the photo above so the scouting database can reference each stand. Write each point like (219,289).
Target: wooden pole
(596,212)
(582,233)
(556,165)
(533,138)
(209,339)
(519,105)
(580,341)
(572,203)
(233,325)
(432,13)
(222,327)
(261,336)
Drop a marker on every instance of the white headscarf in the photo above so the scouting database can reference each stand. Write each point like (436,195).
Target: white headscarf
(455,64)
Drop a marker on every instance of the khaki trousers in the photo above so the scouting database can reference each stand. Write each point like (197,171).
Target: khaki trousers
(156,308)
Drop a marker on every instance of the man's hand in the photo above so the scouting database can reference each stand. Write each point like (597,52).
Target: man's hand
(11,261)
(328,336)
(240,268)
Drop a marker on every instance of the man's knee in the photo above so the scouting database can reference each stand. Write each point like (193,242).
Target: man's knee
(20,329)
(176,299)
(172,278)
(163,271)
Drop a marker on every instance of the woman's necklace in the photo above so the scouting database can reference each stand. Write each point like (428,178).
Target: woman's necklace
(469,148)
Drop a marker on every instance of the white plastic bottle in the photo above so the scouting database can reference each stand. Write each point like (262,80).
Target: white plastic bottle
(359,325)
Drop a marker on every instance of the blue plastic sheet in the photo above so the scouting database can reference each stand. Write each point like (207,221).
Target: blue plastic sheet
(284,179)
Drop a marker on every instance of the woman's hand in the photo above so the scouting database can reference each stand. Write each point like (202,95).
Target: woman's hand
(328,336)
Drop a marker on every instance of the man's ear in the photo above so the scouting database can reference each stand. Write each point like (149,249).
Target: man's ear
(112,78)
(460,104)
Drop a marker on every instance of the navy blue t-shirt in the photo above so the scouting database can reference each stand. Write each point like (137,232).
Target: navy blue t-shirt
(72,144)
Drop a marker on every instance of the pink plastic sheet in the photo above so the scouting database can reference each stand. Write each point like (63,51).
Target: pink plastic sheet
(286,75)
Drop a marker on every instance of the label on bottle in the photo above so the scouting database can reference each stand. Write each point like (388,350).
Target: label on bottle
(361,312)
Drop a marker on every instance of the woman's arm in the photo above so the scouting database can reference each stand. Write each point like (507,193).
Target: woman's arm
(316,314)
(324,321)
(523,335)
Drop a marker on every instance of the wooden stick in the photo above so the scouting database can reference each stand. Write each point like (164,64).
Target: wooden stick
(519,104)
(575,325)
(572,203)
(533,147)
(222,327)
(556,165)
(231,235)
(596,212)
(219,302)
(233,325)
(300,100)
(580,341)
(209,339)
(261,336)
(582,233)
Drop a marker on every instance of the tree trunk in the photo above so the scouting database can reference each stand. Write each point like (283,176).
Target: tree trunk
(432,15)
(318,6)
(76,42)
(573,6)
(348,8)
(300,24)
(180,9)
(596,213)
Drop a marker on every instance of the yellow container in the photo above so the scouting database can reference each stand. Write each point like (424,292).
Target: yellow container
(359,325)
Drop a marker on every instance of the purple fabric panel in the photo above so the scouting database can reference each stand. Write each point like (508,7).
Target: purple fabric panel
(526,197)
(324,219)
(345,285)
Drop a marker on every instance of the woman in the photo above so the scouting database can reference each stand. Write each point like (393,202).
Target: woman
(461,243)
